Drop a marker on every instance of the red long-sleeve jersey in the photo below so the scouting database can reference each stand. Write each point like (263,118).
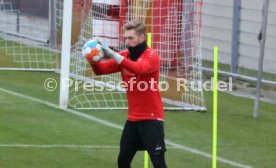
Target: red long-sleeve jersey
(141,77)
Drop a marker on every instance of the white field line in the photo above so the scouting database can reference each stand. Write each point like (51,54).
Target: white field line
(107,123)
(64,146)
(56,146)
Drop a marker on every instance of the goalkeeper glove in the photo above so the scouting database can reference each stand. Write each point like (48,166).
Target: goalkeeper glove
(110,53)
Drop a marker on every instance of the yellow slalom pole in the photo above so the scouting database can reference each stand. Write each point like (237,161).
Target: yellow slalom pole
(146,160)
(149,39)
(215,105)
(146,155)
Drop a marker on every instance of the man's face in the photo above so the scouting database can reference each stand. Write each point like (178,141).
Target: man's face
(132,39)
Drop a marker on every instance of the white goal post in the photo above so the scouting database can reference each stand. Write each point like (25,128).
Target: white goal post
(65,53)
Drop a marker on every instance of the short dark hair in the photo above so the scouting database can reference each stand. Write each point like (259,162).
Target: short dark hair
(137,26)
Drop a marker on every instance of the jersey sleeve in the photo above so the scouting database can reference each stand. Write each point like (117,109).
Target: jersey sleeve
(148,64)
(108,67)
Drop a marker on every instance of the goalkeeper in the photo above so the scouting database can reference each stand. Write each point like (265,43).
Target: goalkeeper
(144,128)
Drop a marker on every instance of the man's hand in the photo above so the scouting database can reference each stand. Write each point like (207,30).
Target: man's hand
(110,53)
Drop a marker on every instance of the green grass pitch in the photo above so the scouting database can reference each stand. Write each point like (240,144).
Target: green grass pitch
(55,138)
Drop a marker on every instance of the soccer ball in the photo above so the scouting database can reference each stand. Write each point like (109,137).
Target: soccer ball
(92,50)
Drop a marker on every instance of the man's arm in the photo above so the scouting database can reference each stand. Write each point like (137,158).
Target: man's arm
(108,67)
(144,66)
(147,65)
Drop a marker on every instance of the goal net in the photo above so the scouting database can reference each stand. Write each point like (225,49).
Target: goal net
(28,34)
(174,28)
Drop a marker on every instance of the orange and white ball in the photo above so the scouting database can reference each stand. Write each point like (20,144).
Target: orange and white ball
(92,50)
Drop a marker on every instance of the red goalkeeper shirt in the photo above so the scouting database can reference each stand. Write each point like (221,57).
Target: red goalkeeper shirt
(141,80)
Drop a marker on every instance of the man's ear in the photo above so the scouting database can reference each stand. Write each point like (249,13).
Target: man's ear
(142,37)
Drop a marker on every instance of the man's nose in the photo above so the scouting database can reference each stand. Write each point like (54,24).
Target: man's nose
(127,42)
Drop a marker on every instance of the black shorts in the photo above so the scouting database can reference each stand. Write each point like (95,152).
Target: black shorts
(143,135)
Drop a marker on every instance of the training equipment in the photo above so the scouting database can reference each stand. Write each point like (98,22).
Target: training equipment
(92,51)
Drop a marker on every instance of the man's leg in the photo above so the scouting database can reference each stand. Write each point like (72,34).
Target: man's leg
(158,160)
(129,144)
(125,157)
(152,135)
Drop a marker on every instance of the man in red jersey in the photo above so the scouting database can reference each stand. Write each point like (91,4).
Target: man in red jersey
(139,66)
